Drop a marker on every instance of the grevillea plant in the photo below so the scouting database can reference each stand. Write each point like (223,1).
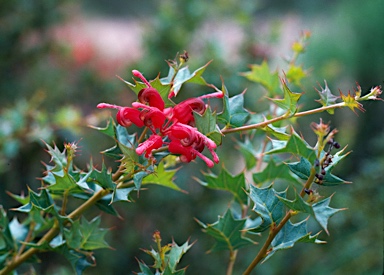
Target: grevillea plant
(154,134)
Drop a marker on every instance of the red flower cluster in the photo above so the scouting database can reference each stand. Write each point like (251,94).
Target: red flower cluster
(173,126)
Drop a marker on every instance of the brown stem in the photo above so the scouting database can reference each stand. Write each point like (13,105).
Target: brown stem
(285,116)
(231,263)
(272,234)
(52,233)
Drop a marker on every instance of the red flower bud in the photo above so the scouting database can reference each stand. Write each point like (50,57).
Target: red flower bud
(152,143)
(152,97)
(126,116)
(185,135)
(186,152)
(152,117)
(183,111)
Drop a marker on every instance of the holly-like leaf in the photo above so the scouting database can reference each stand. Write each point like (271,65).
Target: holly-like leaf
(206,124)
(295,145)
(65,183)
(303,170)
(274,171)
(124,137)
(246,148)
(227,232)
(79,261)
(278,132)
(225,181)
(7,241)
(234,114)
(102,178)
(290,100)
(320,210)
(175,254)
(86,235)
(326,97)
(144,269)
(121,194)
(19,231)
(295,74)
(57,157)
(351,102)
(108,130)
(261,74)
(42,201)
(291,234)
(182,76)
(162,177)
(267,206)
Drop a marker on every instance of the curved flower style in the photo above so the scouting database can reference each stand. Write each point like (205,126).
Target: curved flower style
(173,126)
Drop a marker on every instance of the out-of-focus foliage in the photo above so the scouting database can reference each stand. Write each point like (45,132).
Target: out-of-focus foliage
(346,46)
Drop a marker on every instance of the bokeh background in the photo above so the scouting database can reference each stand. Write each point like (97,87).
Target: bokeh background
(58,59)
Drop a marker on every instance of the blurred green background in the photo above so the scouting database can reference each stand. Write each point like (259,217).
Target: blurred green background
(58,59)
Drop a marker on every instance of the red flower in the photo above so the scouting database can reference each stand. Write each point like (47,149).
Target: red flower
(151,116)
(152,143)
(126,116)
(183,111)
(175,123)
(152,97)
(187,153)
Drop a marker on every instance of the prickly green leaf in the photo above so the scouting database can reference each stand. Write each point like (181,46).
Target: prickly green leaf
(79,261)
(295,74)
(320,210)
(86,235)
(225,181)
(267,205)
(162,88)
(262,75)
(278,132)
(108,130)
(227,232)
(121,194)
(113,152)
(145,270)
(351,102)
(182,76)
(175,254)
(206,124)
(326,97)
(162,177)
(19,231)
(295,145)
(303,170)
(290,100)
(274,171)
(57,157)
(138,178)
(7,242)
(291,234)
(124,137)
(246,148)
(234,114)
(102,178)
(168,271)
(42,201)
(65,183)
